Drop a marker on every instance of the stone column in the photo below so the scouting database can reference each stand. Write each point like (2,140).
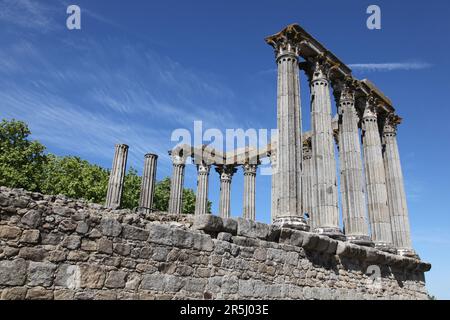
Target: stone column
(274,189)
(148,183)
(323,156)
(226,175)
(201,200)
(177,184)
(289,148)
(398,208)
(249,191)
(375,180)
(352,179)
(117,177)
(307,175)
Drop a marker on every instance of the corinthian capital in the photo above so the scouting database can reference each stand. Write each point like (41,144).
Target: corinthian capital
(370,111)
(226,172)
(390,125)
(286,42)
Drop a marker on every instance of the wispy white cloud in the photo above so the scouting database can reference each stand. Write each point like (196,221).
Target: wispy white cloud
(390,66)
(29,14)
(97,100)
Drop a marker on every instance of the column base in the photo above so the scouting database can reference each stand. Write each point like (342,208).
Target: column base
(334,233)
(361,240)
(408,253)
(386,247)
(292,222)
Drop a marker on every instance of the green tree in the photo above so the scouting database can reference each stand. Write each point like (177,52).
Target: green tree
(131,189)
(75,178)
(23,164)
(21,160)
(162,194)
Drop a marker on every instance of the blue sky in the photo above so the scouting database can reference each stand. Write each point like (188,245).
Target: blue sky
(138,70)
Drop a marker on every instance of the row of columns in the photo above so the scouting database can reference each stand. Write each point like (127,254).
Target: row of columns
(117,180)
(226,173)
(378,217)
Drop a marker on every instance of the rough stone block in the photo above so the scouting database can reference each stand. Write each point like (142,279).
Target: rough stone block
(7,232)
(13,273)
(32,253)
(252,229)
(31,219)
(30,236)
(208,223)
(67,225)
(224,236)
(310,240)
(110,227)
(230,226)
(71,242)
(68,276)
(160,234)
(116,280)
(92,277)
(39,293)
(134,233)
(18,293)
(41,274)
(105,246)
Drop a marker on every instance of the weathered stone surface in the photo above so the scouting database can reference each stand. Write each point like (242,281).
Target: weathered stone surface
(38,293)
(33,254)
(116,279)
(92,277)
(41,274)
(67,225)
(175,261)
(30,236)
(230,226)
(32,218)
(7,232)
(110,227)
(72,242)
(130,232)
(13,273)
(17,293)
(105,246)
(252,229)
(208,223)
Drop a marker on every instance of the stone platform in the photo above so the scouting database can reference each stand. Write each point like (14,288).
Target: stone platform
(52,247)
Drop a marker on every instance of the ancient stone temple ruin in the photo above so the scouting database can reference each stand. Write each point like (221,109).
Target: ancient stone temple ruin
(57,248)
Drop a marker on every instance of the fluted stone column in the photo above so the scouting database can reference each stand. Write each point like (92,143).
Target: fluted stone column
(307,176)
(177,185)
(201,200)
(376,180)
(226,175)
(398,208)
(249,210)
(148,183)
(355,221)
(117,177)
(323,157)
(289,148)
(274,189)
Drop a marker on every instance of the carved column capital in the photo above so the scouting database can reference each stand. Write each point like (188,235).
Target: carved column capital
(370,110)
(203,168)
(250,169)
(226,172)
(390,125)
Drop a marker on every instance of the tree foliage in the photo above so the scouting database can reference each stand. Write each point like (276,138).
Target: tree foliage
(21,160)
(24,164)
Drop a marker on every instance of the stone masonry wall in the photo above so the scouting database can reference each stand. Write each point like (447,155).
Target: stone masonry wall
(57,248)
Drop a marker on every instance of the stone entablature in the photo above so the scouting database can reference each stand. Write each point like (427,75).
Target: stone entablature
(52,247)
